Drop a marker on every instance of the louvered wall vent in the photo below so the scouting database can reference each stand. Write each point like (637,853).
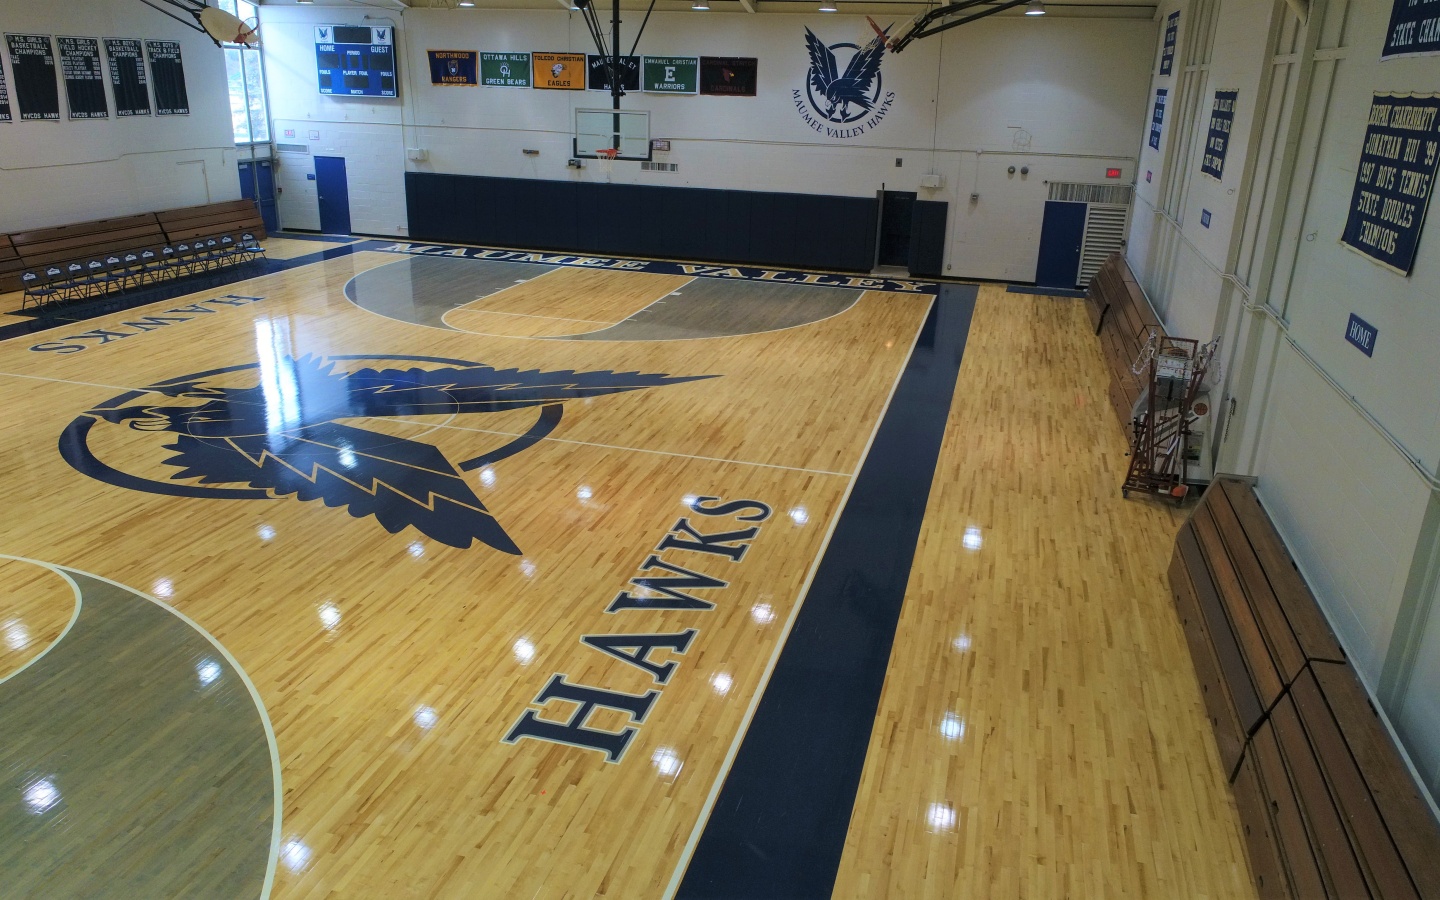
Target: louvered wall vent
(1113,194)
(1104,235)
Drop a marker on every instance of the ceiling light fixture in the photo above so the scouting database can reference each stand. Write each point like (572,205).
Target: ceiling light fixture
(1035,8)
(466,3)
(828,6)
(700,5)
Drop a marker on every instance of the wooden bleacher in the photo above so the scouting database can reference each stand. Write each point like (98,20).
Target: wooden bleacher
(10,265)
(1328,807)
(190,222)
(33,250)
(1123,321)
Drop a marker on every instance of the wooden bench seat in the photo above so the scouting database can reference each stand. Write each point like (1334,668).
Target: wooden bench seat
(190,222)
(11,265)
(1123,320)
(1327,806)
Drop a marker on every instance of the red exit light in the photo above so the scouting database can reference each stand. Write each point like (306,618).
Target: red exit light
(1112,173)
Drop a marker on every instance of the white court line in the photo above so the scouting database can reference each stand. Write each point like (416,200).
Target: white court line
(720,776)
(113,387)
(738,462)
(74,615)
(493,312)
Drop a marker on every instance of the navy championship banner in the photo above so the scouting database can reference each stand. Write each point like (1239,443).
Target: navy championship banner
(1167,55)
(1414,29)
(597,77)
(4,98)
(33,64)
(1395,179)
(168,71)
(127,77)
(84,79)
(454,68)
(1217,142)
(1157,118)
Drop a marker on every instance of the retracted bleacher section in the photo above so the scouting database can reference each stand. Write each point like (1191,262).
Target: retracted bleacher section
(1123,320)
(95,259)
(1328,808)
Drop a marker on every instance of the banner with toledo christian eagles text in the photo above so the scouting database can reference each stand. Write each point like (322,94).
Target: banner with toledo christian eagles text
(557,71)
(454,68)
(33,64)
(1395,179)
(1414,29)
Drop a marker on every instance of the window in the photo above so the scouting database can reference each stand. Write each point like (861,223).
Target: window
(246,73)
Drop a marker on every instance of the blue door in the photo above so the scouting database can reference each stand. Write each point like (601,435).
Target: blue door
(257,183)
(1061,234)
(334,194)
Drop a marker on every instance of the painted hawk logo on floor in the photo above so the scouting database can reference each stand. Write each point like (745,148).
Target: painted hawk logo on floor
(297,429)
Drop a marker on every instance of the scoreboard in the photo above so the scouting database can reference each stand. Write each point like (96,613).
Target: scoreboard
(355,60)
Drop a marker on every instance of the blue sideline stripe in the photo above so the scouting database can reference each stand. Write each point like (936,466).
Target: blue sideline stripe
(70,313)
(778,827)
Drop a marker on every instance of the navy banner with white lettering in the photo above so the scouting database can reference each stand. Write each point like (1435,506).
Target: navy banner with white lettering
(1157,118)
(456,68)
(84,79)
(4,98)
(1217,141)
(1395,179)
(1167,55)
(33,62)
(1414,29)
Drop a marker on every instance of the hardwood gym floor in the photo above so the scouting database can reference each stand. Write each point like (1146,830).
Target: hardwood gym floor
(298,574)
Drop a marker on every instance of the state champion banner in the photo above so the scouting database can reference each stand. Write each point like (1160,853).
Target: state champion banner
(1395,179)
(454,68)
(1414,29)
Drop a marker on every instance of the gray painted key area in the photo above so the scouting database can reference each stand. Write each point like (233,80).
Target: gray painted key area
(422,289)
(134,762)
(721,307)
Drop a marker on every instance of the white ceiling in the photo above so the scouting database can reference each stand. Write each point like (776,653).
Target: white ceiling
(1143,9)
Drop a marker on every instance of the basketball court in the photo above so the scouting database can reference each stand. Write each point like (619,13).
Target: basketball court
(397,573)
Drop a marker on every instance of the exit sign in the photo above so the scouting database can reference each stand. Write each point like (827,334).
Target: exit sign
(1362,334)
(1112,173)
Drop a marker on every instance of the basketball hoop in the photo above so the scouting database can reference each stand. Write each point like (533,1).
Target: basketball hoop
(607,156)
(225,28)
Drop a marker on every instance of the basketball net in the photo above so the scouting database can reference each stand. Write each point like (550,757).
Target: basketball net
(247,33)
(607,160)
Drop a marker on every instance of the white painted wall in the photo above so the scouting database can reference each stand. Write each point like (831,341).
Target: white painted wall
(55,173)
(1271,276)
(1071,88)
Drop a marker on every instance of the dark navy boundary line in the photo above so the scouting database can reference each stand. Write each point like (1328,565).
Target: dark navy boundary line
(314,236)
(1048,291)
(70,313)
(778,827)
(849,280)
